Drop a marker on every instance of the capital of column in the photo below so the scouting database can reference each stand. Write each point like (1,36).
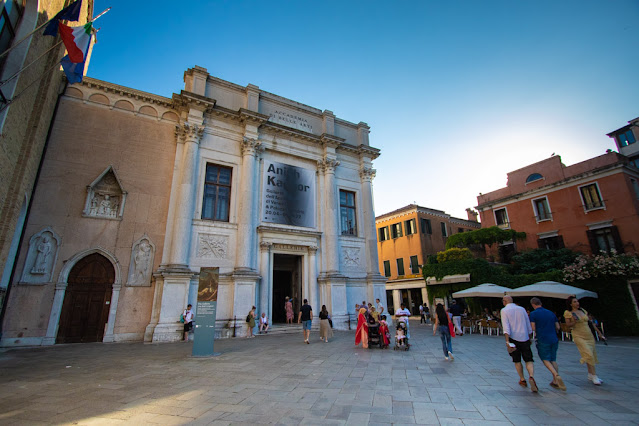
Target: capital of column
(367,174)
(188,132)
(265,245)
(251,147)
(312,250)
(327,165)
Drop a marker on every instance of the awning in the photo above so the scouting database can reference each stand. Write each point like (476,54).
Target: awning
(483,290)
(552,289)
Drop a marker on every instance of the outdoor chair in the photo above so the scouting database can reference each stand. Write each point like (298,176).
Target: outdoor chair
(493,325)
(467,324)
(483,324)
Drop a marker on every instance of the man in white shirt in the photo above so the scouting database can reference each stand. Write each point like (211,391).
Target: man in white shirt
(518,332)
(188,322)
(403,312)
(380,308)
(263,323)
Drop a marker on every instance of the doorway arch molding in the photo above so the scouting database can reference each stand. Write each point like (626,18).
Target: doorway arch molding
(61,288)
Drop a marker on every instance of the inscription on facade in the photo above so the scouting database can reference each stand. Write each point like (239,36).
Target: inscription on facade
(291,120)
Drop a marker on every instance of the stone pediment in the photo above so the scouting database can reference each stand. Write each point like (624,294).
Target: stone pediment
(105,197)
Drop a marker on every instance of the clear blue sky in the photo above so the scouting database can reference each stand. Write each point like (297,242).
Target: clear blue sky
(457,93)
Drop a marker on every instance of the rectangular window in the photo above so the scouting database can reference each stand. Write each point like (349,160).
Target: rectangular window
(501,217)
(217,193)
(626,138)
(400,266)
(460,230)
(591,197)
(551,243)
(414,267)
(383,233)
(426,228)
(387,272)
(396,230)
(444,230)
(347,212)
(9,17)
(605,239)
(635,186)
(542,211)
(410,227)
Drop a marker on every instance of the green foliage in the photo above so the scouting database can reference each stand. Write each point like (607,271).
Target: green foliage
(541,260)
(454,254)
(488,236)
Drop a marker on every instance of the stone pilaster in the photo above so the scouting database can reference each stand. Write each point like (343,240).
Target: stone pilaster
(189,135)
(113,309)
(327,167)
(54,316)
(312,278)
(246,234)
(265,285)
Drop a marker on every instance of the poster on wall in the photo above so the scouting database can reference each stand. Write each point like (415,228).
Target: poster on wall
(288,195)
(204,333)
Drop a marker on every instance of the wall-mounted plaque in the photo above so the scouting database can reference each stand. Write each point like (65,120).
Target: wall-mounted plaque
(288,195)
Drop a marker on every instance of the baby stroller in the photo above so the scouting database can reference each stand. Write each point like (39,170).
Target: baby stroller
(401,338)
(374,338)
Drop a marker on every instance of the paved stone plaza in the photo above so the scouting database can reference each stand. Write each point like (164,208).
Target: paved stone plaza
(279,379)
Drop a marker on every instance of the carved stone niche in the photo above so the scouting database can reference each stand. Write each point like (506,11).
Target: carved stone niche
(41,257)
(105,197)
(141,266)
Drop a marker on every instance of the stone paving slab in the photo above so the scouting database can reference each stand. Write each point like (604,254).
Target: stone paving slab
(277,379)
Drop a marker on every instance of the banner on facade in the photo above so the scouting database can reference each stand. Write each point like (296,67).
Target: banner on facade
(204,333)
(288,195)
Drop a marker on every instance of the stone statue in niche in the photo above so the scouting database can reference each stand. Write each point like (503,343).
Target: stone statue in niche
(41,257)
(105,196)
(141,262)
(44,250)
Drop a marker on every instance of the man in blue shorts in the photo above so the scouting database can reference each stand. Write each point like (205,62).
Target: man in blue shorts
(306,318)
(544,323)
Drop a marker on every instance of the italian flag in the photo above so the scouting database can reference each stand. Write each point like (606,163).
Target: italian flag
(76,40)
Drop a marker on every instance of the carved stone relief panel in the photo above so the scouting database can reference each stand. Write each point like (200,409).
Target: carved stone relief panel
(351,257)
(141,266)
(41,257)
(211,246)
(105,197)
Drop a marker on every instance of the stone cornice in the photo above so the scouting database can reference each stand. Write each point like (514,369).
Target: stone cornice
(247,116)
(191,100)
(331,140)
(286,230)
(288,131)
(368,151)
(126,92)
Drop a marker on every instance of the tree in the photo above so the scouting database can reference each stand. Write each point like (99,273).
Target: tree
(487,236)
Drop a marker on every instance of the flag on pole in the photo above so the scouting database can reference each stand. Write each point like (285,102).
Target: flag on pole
(77,41)
(69,13)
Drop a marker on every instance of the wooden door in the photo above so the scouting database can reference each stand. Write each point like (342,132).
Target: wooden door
(87,300)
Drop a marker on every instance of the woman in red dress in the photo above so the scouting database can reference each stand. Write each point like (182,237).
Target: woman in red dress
(362,329)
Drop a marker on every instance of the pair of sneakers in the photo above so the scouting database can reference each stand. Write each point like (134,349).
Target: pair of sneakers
(450,355)
(594,379)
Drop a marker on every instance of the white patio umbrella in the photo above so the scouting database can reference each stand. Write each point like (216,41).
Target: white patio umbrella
(552,289)
(483,290)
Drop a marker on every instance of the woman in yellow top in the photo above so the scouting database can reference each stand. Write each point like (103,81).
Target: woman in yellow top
(577,320)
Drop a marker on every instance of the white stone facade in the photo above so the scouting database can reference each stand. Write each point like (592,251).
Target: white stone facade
(329,252)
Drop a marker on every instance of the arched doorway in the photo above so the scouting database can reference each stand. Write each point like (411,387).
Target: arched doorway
(87,299)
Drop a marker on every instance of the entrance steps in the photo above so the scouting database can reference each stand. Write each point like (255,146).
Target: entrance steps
(289,329)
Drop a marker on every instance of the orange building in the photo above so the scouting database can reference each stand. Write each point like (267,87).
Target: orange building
(588,207)
(405,239)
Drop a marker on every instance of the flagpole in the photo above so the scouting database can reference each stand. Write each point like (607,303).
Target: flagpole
(2,83)
(3,54)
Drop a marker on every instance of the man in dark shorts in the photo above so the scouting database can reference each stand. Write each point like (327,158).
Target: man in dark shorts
(545,325)
(518,331)
(306,318)
(188,322)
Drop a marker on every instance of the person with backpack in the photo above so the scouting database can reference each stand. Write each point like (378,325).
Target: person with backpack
(250,322)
